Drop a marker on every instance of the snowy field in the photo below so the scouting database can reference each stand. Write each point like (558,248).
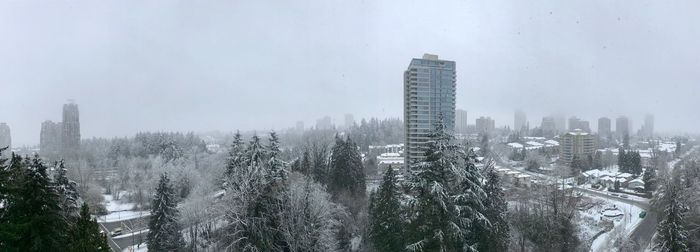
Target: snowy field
(119,211)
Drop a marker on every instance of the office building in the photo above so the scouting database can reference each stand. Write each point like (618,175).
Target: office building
(520,121)
(576,123)
(429,91)
(560,122)
(61,139)
(604,127)
(622,126)
(461,122)
(576,143)
(485,125)
(5,139)
(548,126)
(71,130)
(647,129)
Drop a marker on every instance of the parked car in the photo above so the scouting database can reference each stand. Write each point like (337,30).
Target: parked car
(624,196)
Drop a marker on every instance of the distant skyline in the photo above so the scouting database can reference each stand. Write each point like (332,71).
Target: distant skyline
(198,66)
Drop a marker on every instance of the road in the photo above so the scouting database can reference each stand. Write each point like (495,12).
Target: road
(132,225)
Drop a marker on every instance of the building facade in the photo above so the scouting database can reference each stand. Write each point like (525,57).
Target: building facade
(71,130)
(576,143)
(50,139)
(622,126)
(549,127)
(461,121)
(5,139)
(648,127)
(429,91)
(485,125)
(520,121)
(576,123)
(604,127)
(61,139)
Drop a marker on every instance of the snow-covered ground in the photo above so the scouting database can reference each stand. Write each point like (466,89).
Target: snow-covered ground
(119,211)
(136,248)
(623,225)
(130,234)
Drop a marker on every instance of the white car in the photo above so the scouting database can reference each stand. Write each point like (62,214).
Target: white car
(117,231)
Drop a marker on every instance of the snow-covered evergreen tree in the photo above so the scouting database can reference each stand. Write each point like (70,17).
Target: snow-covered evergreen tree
(347,173)
(672,235)
(254,198)
(32,220)
(164,229)
(234,158)
(69,197)
(447,198)
(85,236)
(498,236)
(309,222)
(649,179)
(386,227)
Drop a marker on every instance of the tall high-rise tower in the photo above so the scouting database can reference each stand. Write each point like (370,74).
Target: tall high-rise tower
(622,126)
(5,139)
(648,127)
(519,120)
(604,128)
(429,91)
(71,130)
(461,122)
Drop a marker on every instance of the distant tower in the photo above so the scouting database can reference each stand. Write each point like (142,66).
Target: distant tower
(604,128)
(648,128)
(50,139)
(71,130)
(5,139)
(549,127)
(560,122)
(429,90)
(349,121)
(461,122)
(520,121)
(622,126)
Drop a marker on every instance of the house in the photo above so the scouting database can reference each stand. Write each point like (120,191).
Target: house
(635,184)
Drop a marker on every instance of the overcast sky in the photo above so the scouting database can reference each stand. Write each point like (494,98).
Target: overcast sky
(225,65)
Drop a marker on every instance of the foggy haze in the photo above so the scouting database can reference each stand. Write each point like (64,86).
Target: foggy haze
(173,65)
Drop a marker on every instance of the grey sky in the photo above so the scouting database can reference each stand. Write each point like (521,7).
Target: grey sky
(224,65)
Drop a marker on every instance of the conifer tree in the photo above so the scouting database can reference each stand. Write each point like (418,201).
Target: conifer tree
(85,235)
(622,160)
(164,229)
(347,172)
(234,158)
(447,202)
(498,236)
(69,197)
(32,220)
(673,237)
(305,164)
(386,227)
(649,179)
(598,160)
(4,178)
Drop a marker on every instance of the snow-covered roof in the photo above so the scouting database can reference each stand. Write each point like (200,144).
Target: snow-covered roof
(624,175)
(515,145)
(551,142)
(533,143)
(593,173)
